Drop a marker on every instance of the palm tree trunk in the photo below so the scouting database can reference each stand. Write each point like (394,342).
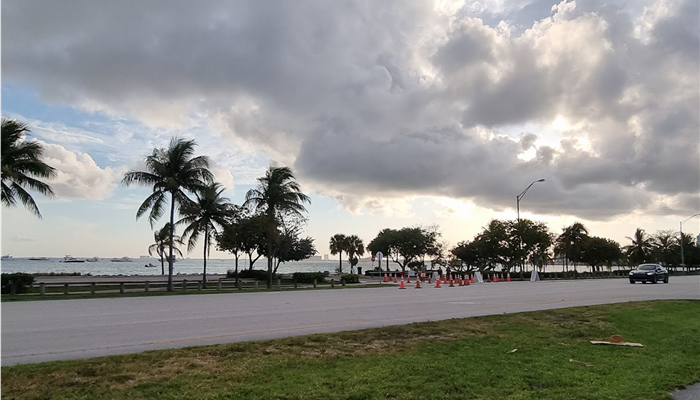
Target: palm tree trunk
(162,260)
(172,234)
(269,264)
(204,273)
(340,263)
(236,255)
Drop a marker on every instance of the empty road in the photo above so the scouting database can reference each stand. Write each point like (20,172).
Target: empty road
(39,331)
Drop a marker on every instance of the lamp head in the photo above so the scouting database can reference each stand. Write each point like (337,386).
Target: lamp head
(541,180)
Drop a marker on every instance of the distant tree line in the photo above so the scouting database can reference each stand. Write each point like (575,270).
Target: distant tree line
(270,221)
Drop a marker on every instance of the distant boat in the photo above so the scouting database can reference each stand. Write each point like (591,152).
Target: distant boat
(39,258)
(150,265)
(122,259)
(6,257)
(92,259)
(70,259)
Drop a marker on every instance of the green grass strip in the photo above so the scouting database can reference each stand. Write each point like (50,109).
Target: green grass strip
(468,358)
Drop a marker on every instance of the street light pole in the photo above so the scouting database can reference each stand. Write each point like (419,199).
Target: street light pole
(520,234)
(681,230)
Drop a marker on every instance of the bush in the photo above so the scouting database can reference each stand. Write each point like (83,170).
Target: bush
(351,278)
(308,277)
(257,274)
(22,282)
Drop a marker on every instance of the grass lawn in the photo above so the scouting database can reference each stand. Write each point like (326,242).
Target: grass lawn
(455,359)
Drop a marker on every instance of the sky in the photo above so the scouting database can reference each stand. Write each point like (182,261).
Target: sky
(390,113)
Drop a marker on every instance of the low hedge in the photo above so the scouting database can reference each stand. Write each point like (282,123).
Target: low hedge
(257,274)
(308,277)
(351,278)
(22,282)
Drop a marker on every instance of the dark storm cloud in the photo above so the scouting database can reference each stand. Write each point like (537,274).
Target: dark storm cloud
(401,97)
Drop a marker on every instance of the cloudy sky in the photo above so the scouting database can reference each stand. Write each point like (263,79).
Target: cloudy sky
(391,113)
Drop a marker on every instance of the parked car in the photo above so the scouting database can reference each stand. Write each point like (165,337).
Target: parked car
(649,273)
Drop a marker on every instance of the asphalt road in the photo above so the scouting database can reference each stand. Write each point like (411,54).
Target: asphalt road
(39,331)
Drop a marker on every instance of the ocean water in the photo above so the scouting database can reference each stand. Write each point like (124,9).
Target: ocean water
(184,266)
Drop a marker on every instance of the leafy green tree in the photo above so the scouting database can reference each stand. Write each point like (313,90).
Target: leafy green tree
(499,245)
(293,248)
(536,241)
(640,250)
(21,164)
(471,255)
(355,247)
(172,172)
(381,244)
(207,215)
(406,245)
(570,243)
(162,241)
(277,193)
(253,232)
(230,239)
(338,245)
(598,251)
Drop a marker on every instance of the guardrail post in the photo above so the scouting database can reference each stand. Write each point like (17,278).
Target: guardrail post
(218,285)
(145,286)
(199,285)
(238,285)
(121,287)
(279,284)
(342,281)
(256,285)
(65,288)
(13,289)
(92,287)
(42,289)
(184,285)
(314,283)
(332,283)
(295,284)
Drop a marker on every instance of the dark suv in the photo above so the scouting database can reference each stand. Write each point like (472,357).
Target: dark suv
(649,273)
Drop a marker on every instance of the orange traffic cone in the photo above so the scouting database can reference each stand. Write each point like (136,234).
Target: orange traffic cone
(495,278)
(508,278)
(437,283)
(472,279)
(452,283)
(403,285)
(396,280)
(408,279)
(418,284)
(460,282)
(386,278)
(466,282)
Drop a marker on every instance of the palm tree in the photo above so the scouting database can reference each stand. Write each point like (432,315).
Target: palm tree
(355,246)
(161,237)
(277,193)
(172,170)
(641,247)
(338,245)
(211,210)
(21,162)
(570,242)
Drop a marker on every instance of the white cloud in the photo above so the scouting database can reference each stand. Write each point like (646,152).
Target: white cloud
(78,176)
(408,98)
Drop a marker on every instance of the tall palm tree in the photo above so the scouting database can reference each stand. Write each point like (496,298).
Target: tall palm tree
(355,246)
(640,249)
(21,163)
(170,171)
(210,211)
(570,242)
(162,238)
(277,193)
(338,244)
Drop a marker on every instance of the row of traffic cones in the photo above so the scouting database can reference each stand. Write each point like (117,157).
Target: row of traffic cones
(460,282)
